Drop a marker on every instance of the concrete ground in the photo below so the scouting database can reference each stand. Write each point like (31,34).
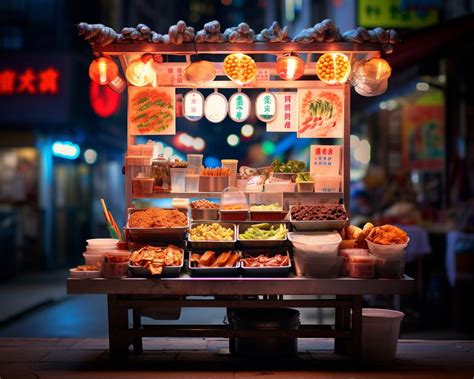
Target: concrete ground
(210,358)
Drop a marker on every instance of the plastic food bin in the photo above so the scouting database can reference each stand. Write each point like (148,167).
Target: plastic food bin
(96,259)
(361,266)
(317,266)
(178,179)
(345,253)
(232,164)
(194,164)
(115,265)
(390,267)
(192,182)
(315,243)
(387,250)
(327,183)
(101,243)
(380,331)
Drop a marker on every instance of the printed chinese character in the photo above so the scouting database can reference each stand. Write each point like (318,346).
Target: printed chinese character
(7,82)
(287,99)
(27,80)
(48,81)
(287,116)
(287,107)
(287,125)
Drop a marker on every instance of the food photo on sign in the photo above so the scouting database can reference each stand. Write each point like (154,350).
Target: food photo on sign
(321,113)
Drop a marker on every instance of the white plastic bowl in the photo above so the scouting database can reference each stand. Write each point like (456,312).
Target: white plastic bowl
(314,242)
(94,259)
(102,243)
(318,266)
(84,274)
(396,250)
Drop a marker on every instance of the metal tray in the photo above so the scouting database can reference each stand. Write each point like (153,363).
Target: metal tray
(213,244)
(234,215)
(213,271)
(267,215)
(323,225)
(168,271)
(266,271)
(156,234)
(205,214)
(254,244)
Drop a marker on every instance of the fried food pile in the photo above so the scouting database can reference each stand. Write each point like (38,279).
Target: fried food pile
(87,268)
(211,232)
(387,235)
(265,261)
(155,258)
(212,259)
(204,204)
(157,218)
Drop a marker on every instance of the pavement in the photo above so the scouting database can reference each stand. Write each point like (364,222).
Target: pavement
(210,358)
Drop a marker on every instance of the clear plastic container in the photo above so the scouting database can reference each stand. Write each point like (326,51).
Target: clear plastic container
(232,164)
(387,250)
(94,259)
(279,187)
(142,186)
(74,273)
(115,264)
(361,266)
(102,243)
(194,164)
(317,266)
(390,268)
(327,183)
(178,179)
(315,243)
(233,205)
(192,182)
(346,253)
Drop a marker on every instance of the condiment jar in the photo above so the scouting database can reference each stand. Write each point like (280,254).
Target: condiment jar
(160,168)
(361,266)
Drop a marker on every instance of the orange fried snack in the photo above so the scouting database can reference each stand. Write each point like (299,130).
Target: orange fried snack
(154,259)
(387,235)
(157,218)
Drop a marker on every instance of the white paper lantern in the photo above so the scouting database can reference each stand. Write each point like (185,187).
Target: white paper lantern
(215,107)
(193,105)
(266,106)
(239,107)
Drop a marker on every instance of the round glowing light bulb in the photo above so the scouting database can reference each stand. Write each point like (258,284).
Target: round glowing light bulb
(290,67)
(233,140)
(140,71)
(247,130)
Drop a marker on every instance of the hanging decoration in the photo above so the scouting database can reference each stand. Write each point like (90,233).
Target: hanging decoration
(333,68)
(200,72)
(103,70)
(266,106)
(321,113)
(215,107)
(274,34)
(140,71)
(240,68)
(239,107)
(193,105)
(290,67)
(151,111)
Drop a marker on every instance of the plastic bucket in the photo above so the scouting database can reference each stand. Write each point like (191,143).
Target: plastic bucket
(380,331)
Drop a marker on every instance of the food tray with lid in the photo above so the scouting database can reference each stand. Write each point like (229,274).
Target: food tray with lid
(210,244)
(317,225)
(156,234)
(260,243)
(217,272)
(268,271)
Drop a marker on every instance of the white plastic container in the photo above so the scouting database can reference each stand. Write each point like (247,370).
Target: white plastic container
(380,331)
(387,250)
(102,243)
(178,179)
(390,267)
(317,266)
(194,164)
(327,183)
(192,182)
(84,274)
(361,266)
(346,253)
(94,259)
(316,243)
(279,187)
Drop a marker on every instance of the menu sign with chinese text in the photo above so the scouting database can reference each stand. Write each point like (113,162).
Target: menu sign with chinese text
(193,105)
(325,160)
(239,107)
(266,106)
(286,119)
(34,88)
(321,113)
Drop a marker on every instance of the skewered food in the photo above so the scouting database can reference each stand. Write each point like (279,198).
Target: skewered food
(264,231)
(217,171)
(212,259)
(387,235)
(154,259)
(211,232)
(321,212)
(265,261)
(157,218)
(204,204)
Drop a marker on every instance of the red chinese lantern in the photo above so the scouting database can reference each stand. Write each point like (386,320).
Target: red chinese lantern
(104,101)
(290,67)
(103,70)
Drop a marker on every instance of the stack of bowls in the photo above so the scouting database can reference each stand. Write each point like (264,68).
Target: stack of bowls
(97,248)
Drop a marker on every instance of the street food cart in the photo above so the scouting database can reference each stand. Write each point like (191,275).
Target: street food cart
(303,87)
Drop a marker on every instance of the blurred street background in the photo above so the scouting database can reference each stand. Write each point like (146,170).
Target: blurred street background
(417,169)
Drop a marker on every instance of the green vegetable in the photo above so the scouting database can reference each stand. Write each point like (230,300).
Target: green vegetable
(292,166)
(268,207)
(303,177)
(264,231)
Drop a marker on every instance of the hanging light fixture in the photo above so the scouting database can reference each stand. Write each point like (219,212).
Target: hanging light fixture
(376,69)
(290,66)
(103,70)
(140,71)
(333,68)
(200,72)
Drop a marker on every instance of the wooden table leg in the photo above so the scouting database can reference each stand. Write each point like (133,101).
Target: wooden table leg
(356,326)
(342,321)
(137,324)
(118,328)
